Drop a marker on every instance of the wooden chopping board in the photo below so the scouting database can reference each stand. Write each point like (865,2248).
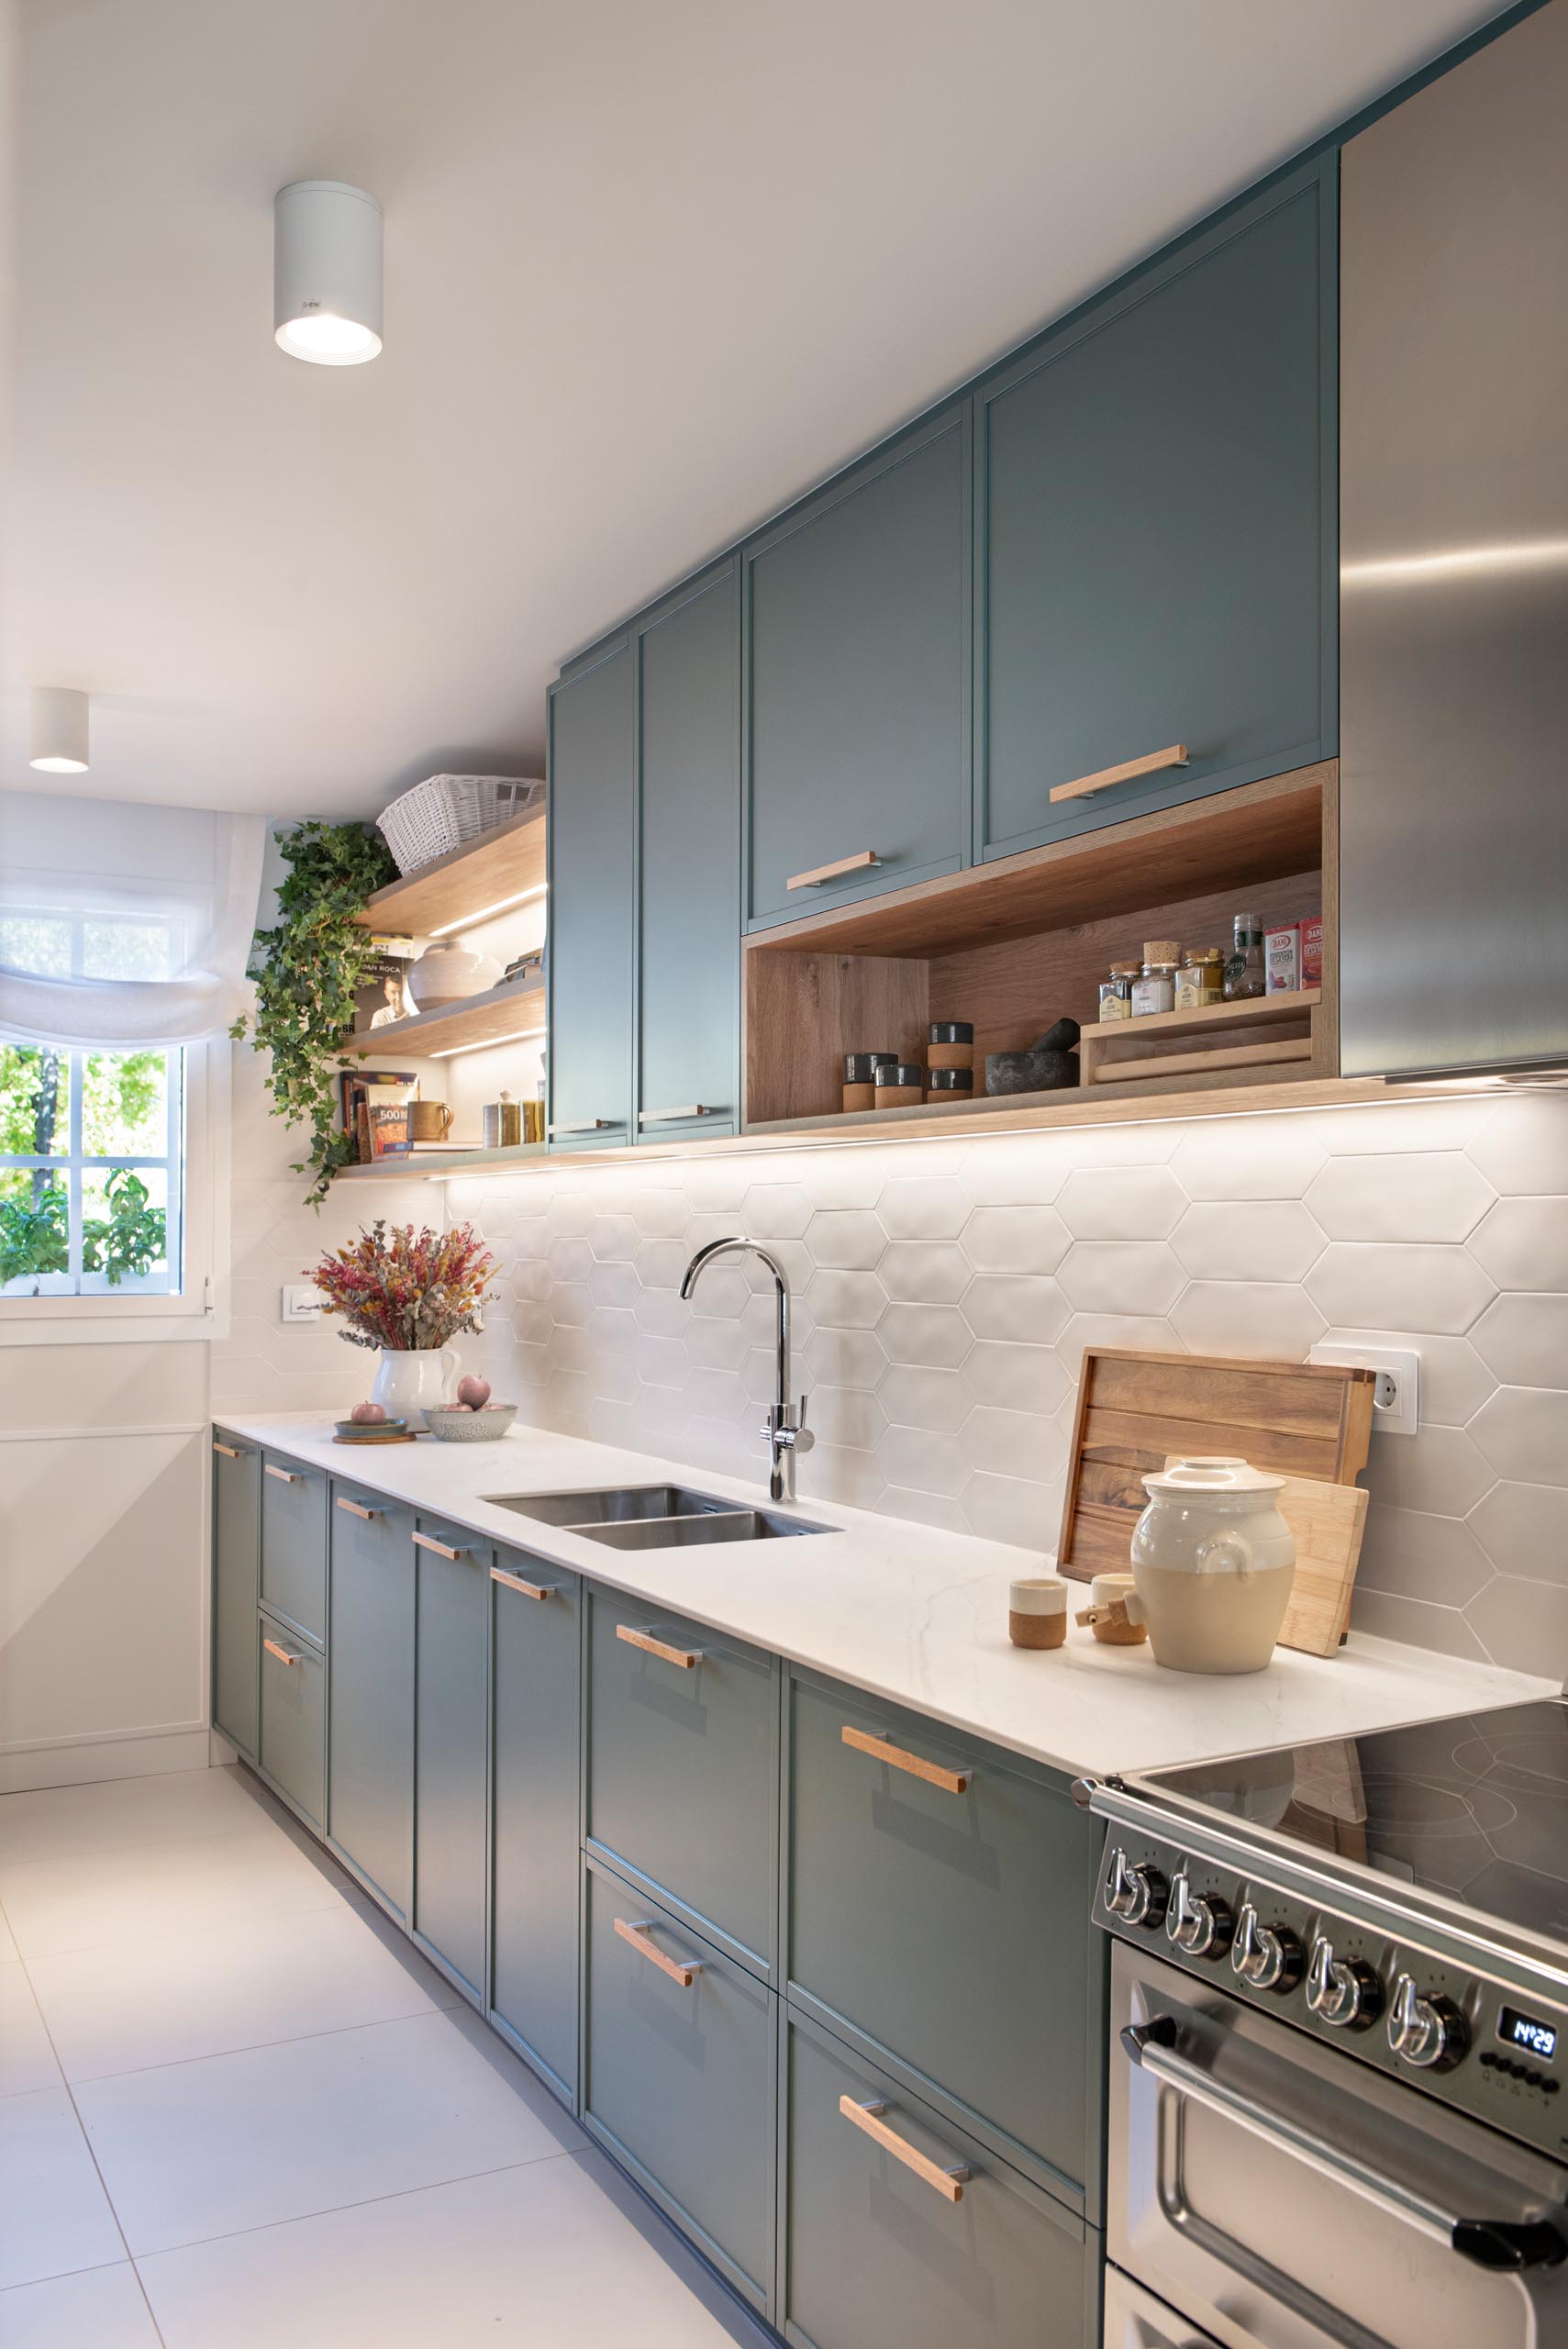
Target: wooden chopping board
(1310,1422)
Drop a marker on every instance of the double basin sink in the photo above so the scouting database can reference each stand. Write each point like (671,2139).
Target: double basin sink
(654,1517)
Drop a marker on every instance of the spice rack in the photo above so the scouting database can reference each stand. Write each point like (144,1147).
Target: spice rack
(1267,1033)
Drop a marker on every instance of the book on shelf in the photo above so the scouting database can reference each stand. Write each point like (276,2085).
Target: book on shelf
(389,1129)
(359,1087)
(380,995)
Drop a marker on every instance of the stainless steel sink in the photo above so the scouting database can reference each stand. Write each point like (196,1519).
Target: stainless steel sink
(654,1517)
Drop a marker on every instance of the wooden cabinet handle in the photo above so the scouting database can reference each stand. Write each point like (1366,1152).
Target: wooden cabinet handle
(441,1549)
(285,1475)
(675,1116)
(686,1657)
(515,1582)
(874,1742)
(684,1970)
(588,1126)
(354,1509)
(282,1654)
(949,2182)
(859,863)
(1175,755)
(229,1451)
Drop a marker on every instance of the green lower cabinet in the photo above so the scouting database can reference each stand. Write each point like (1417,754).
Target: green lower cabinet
(291,1741)
(535,1712)
(236,1563)
(451,1737)
(680,2050)
(293,1545)
(930,1918)
(876,2252)
(370,1756)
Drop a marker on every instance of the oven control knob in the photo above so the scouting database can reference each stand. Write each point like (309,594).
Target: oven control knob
(1341,1990)
(1134,1891)
(1266,1957)
(1199,1924)
(1427,2032)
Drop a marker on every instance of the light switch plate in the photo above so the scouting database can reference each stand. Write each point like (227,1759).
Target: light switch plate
(1395,1401)
(305,1304)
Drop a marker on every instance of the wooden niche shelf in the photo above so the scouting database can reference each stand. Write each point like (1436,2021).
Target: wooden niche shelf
(1015,945)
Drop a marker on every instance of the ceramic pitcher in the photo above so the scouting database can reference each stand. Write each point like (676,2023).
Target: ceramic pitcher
(1212,1562)
(409,1382)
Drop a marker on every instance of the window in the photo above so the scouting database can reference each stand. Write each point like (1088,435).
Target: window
(90,1171)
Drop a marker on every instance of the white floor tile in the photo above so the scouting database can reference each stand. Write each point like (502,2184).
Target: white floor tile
(203,2149)
(26,2059)
(156,1891)
(53,2213)
(102,2307)
(114,1812)
(8,1951)
(208,1994)
(540,2257)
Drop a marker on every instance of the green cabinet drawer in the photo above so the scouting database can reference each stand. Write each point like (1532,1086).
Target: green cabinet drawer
(451,1742)
(682,1769)
(236,1563)
(857,647)
(1157,502)
(534,1711)
(293,1545)
(680,2046)
(876,2254)
(293,1742)
(945,1926)
(591,838)
(370,1756)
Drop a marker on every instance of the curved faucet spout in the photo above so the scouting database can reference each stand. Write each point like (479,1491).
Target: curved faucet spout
(786,1432)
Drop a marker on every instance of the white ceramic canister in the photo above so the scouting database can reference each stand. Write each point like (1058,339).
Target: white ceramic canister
(410,1380)
(449,972)
(1213,1561)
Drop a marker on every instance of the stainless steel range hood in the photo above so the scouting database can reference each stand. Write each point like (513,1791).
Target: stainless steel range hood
(1454,570)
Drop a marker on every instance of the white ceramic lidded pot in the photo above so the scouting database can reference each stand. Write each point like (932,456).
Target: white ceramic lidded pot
(1213,1561)
(449,972)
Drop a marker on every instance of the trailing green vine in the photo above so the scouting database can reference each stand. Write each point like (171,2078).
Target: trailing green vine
(306,971)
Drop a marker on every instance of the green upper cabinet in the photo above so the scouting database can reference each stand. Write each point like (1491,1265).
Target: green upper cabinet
(1155,503)
(592,836)
(856,632)
(688,743)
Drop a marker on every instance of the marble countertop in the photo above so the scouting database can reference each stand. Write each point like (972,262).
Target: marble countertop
(917,1616)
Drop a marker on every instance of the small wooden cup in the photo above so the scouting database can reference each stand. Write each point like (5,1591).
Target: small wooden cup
(1112,1614)
(1037,1612)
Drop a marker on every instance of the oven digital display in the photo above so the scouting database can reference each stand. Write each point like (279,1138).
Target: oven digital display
(1517,2030)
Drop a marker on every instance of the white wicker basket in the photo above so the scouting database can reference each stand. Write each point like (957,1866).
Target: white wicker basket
(447,811)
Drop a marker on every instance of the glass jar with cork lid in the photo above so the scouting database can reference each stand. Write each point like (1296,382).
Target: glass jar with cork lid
(1201,978)
(1154,989)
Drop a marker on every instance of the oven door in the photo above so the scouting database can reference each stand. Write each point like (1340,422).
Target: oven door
(1135,2320)
(1282,2195)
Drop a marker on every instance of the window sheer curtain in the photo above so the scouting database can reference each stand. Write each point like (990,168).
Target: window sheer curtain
(123,924)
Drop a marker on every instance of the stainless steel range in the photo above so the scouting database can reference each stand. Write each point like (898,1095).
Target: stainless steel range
(1339,2022)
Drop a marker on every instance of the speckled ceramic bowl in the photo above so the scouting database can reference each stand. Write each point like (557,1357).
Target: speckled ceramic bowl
(470,1427)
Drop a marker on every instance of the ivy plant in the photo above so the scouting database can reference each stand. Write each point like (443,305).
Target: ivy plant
(307,969)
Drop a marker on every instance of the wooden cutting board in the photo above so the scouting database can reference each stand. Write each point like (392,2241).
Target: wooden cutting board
(1311,1422)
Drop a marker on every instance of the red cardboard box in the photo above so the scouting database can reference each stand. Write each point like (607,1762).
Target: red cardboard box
(1312,952)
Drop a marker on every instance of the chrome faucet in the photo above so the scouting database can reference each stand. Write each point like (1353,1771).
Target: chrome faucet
(786,1433)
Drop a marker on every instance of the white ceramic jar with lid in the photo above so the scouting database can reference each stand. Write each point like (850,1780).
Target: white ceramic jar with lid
(1213,1561)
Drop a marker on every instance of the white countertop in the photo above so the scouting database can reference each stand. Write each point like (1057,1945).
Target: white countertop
(910,1614)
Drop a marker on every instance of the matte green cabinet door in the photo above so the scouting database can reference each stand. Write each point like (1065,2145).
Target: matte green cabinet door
(689,827)
(591,842)
(235,1562)
(534,1824)
(292,1739)
(370,1758)
(857,647)
(1157,500)
(293,1545)
(451,1741)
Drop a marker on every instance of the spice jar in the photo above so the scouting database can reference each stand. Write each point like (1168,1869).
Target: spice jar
(900,1084)
(502,1123)
(949,1044)
(860,1080)
(1244,976)
(949,1084)
(1116,992)
(1154,989)
(1201,978)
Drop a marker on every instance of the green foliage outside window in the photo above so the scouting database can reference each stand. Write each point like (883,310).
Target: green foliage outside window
(123,1108)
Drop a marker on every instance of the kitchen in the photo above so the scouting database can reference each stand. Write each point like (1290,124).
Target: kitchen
(931,1091)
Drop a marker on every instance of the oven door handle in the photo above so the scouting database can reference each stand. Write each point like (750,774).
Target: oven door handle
(1499,2244)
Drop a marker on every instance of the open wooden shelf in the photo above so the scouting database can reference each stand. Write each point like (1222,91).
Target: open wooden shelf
(423,1165)
(458,889)
(1264,1033)
(515,1008)
(1014,945)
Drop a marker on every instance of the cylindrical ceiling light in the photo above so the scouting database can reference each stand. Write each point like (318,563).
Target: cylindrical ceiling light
(59,730)
(327,272)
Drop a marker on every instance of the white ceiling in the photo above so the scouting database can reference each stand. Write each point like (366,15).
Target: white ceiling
(652,266)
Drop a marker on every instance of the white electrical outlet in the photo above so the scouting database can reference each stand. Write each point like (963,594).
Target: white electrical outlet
(304,1305)
(1395,1398)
